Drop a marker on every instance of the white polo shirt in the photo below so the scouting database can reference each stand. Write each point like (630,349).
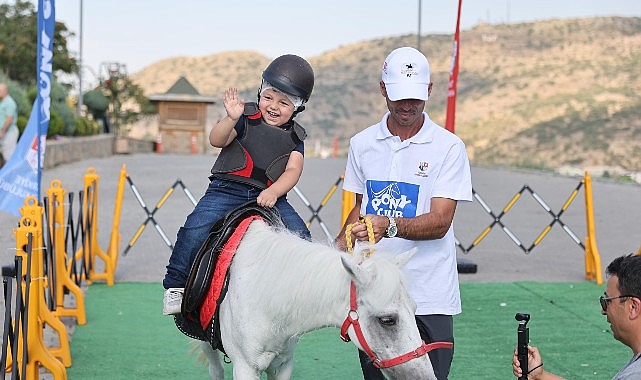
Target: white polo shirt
(399,178)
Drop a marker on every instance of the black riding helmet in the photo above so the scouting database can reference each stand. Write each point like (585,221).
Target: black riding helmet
(292,74)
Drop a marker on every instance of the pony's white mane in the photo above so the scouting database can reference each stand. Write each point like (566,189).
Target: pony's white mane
(284,256)
(297,268)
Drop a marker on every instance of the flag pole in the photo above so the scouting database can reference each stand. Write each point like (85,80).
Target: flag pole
(38,106)
(451,92)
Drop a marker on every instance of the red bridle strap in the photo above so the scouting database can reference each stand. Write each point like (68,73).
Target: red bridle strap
(352,320)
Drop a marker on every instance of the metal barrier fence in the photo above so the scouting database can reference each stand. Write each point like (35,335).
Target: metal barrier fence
(150,214)
(58,239)
(178,183)
(556,219)
(592,259)
(24,329)
(43,238)
(316,211)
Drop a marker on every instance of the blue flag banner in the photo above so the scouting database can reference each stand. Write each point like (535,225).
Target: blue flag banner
(21,175)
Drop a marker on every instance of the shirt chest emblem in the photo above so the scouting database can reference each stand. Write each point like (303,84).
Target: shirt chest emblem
(422,169)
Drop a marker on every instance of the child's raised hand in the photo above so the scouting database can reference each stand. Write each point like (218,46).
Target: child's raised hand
(233,104)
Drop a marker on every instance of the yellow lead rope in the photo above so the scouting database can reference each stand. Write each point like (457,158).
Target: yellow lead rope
(370,235)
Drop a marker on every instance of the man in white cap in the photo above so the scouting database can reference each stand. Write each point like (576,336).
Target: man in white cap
(408,174)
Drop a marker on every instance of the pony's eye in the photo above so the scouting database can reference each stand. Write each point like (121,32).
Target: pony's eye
(387,321)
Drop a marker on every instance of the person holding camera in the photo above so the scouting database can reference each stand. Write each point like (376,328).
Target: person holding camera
(621,303)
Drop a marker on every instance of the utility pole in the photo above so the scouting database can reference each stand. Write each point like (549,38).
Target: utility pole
(418,38)
(80,66)
(508,12)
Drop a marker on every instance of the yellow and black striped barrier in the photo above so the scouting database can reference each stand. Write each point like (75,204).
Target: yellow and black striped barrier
(592,259)
(28,349)
(63,282)
(315,211)
(151,213)
(497,220)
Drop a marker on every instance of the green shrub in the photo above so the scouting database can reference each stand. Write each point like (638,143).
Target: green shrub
(86,127)
(68,118)
(22,123)
(56,125)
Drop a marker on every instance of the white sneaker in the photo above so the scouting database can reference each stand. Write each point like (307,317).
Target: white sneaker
(172,301)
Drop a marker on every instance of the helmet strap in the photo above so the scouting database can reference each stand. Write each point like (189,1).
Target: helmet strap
(297,111)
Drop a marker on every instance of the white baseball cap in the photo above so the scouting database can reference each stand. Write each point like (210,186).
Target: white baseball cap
(406,74)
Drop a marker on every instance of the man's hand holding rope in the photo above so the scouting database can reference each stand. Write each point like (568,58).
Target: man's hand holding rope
(359,230)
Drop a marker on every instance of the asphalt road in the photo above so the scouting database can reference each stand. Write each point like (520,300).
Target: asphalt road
(556,258)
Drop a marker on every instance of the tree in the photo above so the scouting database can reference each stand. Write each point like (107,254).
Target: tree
(18,28)
(127,101)
(63,119)
(97,105)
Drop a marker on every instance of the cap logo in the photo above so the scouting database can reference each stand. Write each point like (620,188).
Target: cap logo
(409,70)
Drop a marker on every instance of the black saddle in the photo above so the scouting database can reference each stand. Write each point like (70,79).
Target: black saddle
(200,276)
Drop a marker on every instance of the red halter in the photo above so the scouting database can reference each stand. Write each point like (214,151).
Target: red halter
(352,320)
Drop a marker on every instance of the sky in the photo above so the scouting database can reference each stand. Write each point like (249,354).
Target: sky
(138,33)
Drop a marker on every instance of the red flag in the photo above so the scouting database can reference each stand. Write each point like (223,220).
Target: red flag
(451,91)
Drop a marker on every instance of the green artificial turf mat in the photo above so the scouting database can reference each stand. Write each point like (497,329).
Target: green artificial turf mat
(127,337)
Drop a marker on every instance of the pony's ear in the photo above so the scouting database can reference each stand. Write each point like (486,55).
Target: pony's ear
(401,259)
(351,263)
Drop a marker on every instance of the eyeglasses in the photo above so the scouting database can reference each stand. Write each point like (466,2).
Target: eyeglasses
(604,301)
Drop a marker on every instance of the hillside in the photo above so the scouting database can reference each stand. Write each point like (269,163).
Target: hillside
(540,95)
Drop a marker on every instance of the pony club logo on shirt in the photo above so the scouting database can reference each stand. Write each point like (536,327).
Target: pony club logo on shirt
(390,198)
(422,169)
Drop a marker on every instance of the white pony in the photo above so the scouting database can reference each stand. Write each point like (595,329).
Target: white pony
(281,287)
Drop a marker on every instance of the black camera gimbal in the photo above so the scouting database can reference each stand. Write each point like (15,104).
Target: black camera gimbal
(523,339)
